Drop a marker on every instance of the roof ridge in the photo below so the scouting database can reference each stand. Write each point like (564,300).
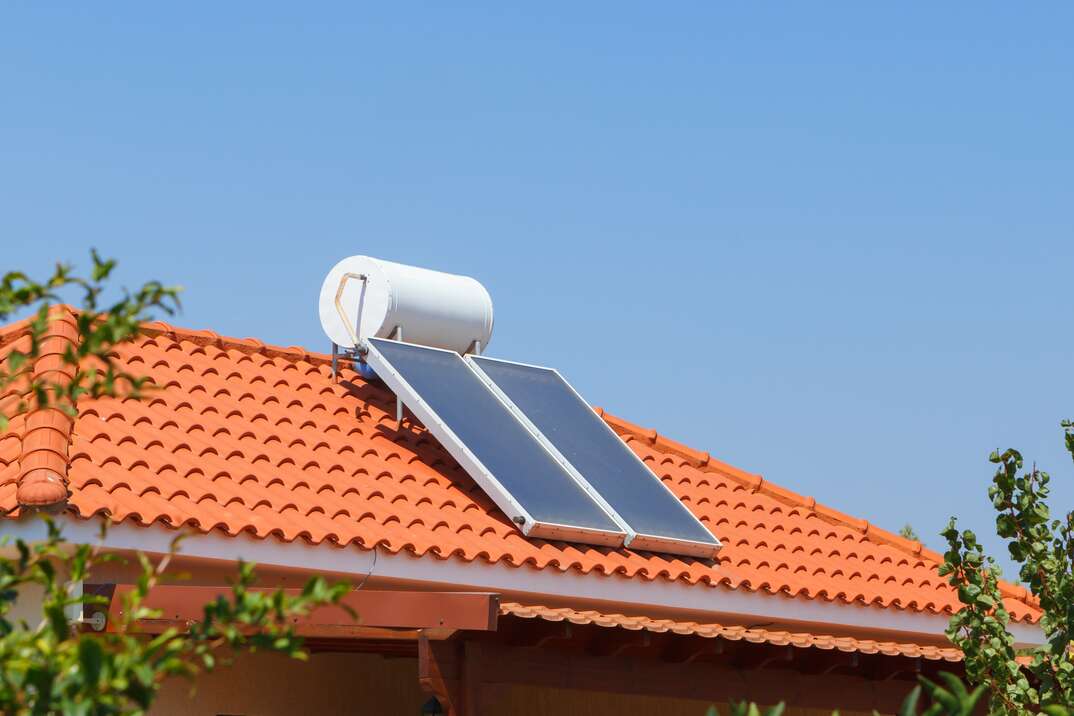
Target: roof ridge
(46,437)
(245,345)
(757,483)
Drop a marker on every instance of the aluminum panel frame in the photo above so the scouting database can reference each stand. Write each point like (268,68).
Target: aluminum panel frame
(473,466)
(635,540)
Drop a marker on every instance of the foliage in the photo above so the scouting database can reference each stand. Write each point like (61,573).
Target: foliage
(743,708)
(1043,679)
(53,667)
(908,532)
(954,700)
(950,699)
(90,359)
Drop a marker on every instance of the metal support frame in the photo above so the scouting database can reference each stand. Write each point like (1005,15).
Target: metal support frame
(397,335)
(341,353)
(354,352)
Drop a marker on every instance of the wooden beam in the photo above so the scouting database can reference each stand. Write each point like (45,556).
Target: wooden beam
(312,631)
(439,673)
(453,673)
(472,690)
(440,612)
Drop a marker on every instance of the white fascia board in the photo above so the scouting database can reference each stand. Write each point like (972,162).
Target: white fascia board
(629,595)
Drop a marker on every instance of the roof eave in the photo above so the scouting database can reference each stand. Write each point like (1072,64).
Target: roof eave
(620,592)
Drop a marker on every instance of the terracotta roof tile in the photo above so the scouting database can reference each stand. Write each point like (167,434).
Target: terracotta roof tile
(46,433)
(243,437)
(731,633)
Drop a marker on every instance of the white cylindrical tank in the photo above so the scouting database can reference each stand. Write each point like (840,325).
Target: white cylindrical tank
(431,308)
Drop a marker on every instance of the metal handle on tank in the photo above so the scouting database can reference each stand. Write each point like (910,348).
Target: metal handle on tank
(339,303)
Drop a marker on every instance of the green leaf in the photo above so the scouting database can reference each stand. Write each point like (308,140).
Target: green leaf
(57,621)
(909,704)
(1056,710)
(90,655)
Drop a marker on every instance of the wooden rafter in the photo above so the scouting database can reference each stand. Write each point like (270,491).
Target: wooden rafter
(614,642)
(686,650)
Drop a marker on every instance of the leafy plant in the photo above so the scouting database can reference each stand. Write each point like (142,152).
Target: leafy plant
(1042,678)
(744,708)
(92,369)
(54,667)
(908,532)
(954,700)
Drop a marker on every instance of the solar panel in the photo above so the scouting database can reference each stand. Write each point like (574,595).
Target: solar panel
(659,521)
(515,467)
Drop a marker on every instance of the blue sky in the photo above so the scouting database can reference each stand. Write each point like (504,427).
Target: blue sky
(831,243)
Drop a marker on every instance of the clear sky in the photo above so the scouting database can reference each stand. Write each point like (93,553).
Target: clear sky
(829,242)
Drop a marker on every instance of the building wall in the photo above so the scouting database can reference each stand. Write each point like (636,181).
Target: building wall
(272,685)
(528,701)
(330,684)
(27,607)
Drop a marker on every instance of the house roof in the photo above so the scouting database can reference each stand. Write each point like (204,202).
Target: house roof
(242,437)
(755,635)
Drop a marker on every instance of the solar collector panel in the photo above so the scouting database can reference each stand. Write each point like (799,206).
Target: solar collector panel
(496,448)
(648,508)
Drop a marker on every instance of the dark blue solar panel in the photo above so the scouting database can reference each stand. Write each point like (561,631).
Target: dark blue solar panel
(596,452)
(460,400)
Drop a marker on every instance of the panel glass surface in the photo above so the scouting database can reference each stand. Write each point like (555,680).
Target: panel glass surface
(596,452)
(499,440)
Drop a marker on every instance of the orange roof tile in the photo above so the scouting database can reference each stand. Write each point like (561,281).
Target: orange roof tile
(732,633)
(45,433)
(244,437)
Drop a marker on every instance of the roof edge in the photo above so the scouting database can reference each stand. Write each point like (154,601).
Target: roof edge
(715,601)
(757,483)
(779,636)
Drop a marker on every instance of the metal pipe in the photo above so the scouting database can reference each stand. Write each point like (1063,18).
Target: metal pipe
(339,303)
(397,334)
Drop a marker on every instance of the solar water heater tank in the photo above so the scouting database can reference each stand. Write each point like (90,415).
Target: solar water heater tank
(363,297)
